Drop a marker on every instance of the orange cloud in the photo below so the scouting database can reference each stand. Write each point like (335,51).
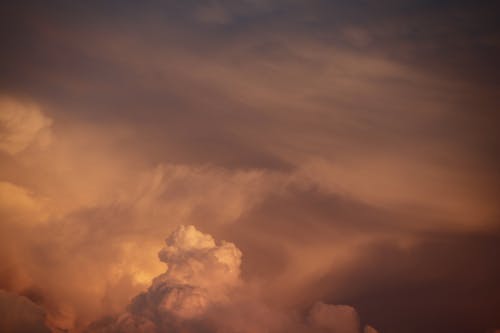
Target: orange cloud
(21,125)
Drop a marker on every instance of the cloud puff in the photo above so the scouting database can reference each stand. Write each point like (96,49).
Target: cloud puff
(194,258)
(21,125)
(19,315)
(200,274)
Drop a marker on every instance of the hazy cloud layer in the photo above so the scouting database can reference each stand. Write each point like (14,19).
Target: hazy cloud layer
(349,151)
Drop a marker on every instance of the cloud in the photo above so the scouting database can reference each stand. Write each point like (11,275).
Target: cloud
(208,262)
(19,315)
(303,131)
(369,329)
(330,318)
(200,275)
(334,318)
(20,204)
(202,291)
(199,272)
(133,200)
(225,12)
(21,125)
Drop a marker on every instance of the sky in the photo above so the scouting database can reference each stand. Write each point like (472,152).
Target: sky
(249,166)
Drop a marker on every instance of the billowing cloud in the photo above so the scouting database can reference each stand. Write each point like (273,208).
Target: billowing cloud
(200,275)
(199,272)
(202,291)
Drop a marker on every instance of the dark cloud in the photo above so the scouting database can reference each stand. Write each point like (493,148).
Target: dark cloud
(444,283)
(19,315)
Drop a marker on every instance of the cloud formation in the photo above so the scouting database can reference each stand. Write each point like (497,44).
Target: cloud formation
(200,276)
(349,149)
(201,291)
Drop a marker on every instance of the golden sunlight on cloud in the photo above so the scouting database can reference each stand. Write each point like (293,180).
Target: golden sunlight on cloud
(102,209)
(201,290)
(301,167)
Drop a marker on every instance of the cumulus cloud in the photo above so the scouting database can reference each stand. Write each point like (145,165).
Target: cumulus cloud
(200,274)
(22,124)
(202,291)
(209,265)
(53,215)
